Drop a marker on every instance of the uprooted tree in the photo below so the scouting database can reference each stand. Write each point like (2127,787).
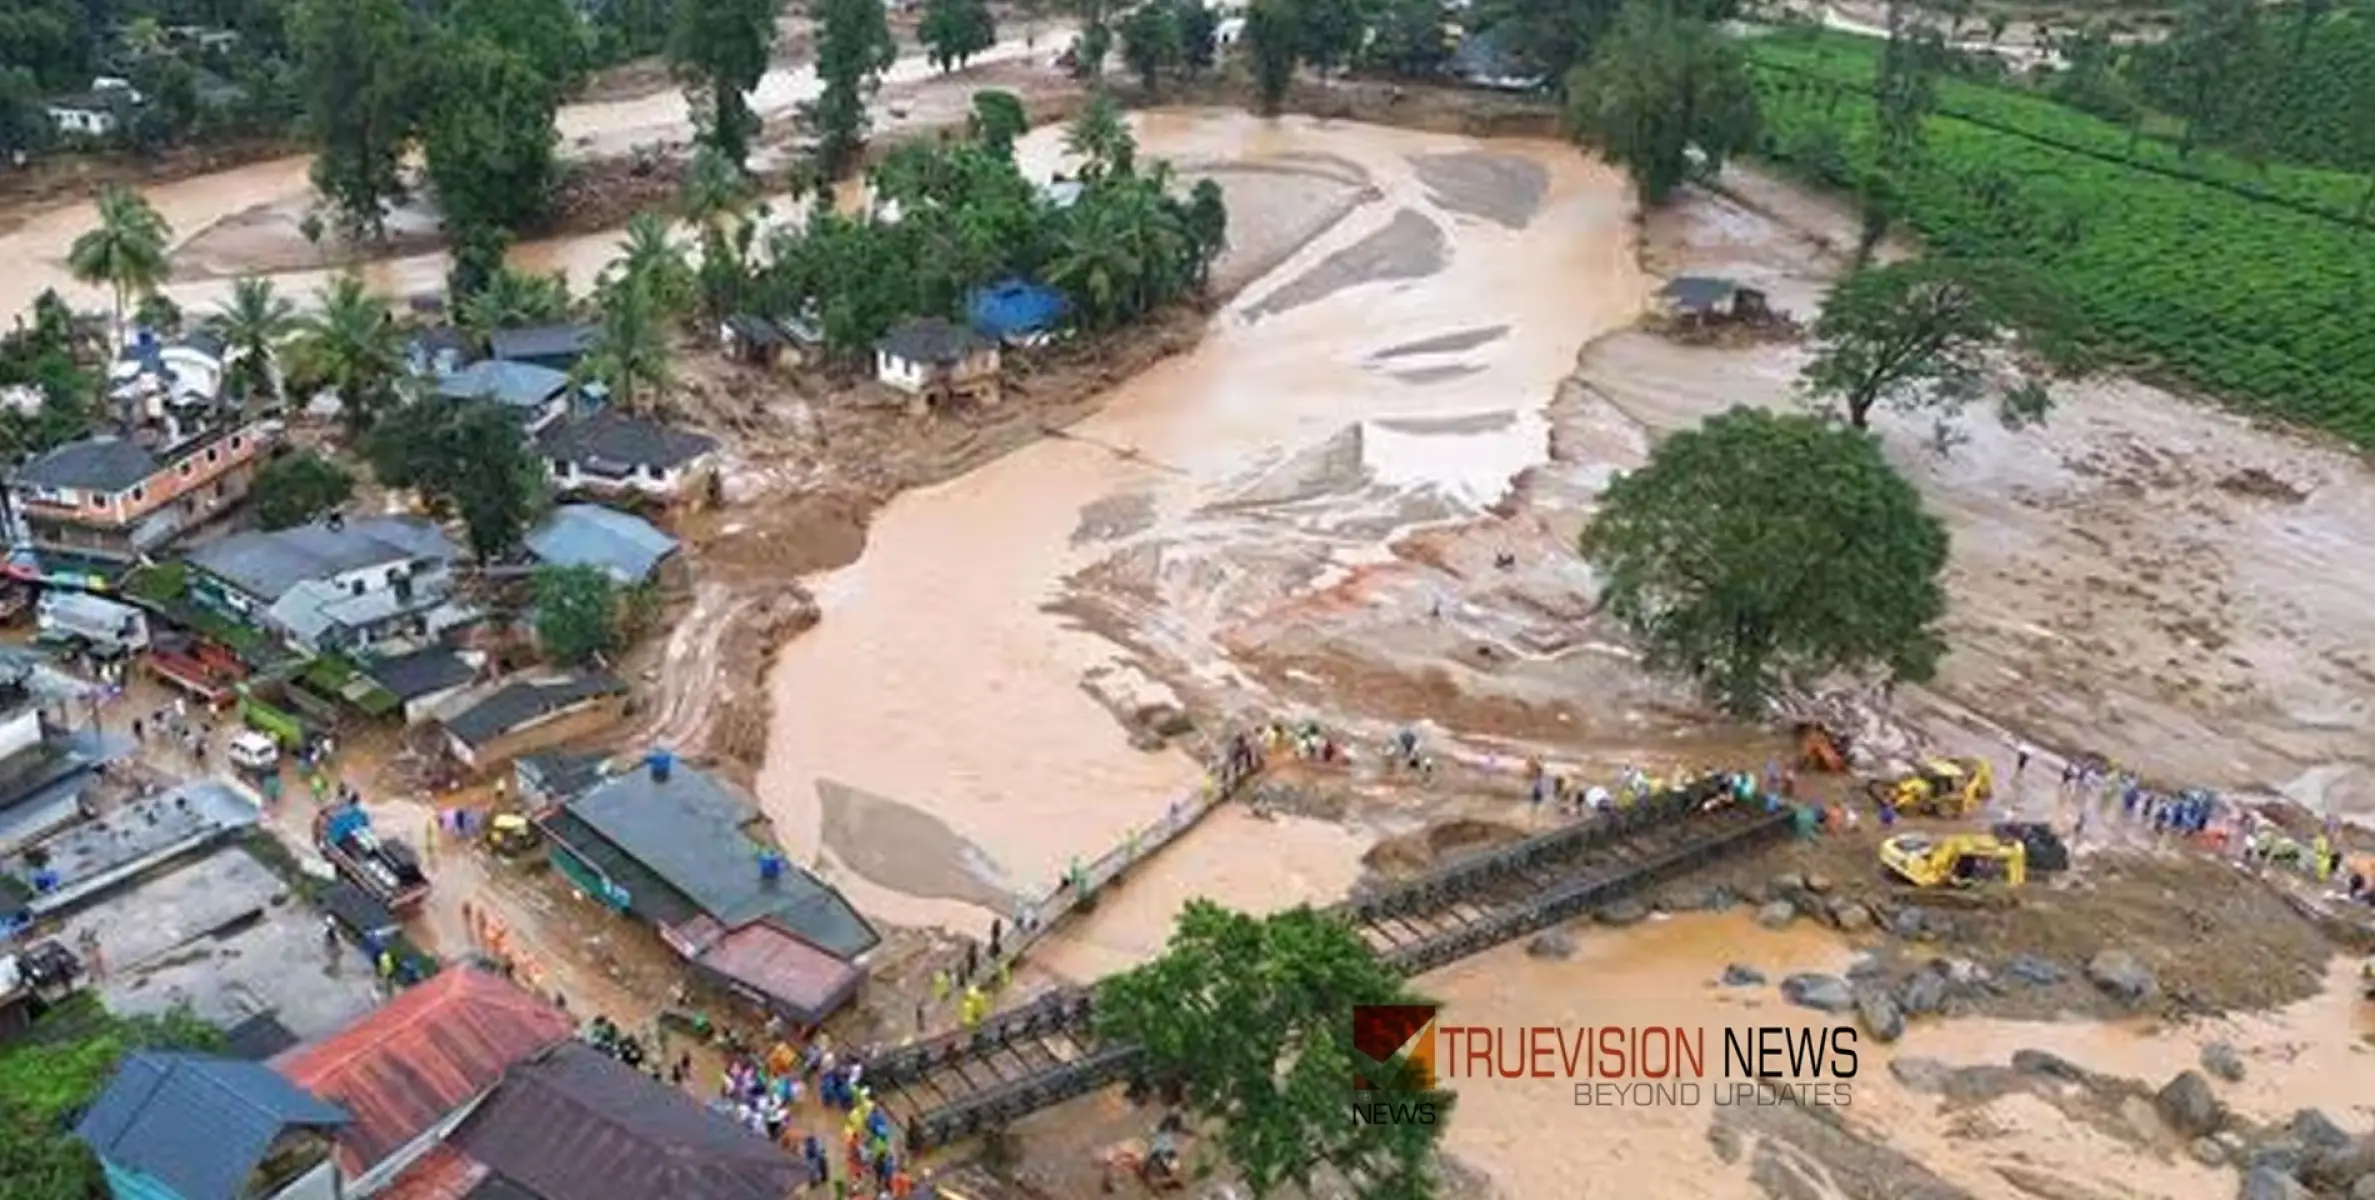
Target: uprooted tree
(1250,1018)
(1930,333)
(1763,550)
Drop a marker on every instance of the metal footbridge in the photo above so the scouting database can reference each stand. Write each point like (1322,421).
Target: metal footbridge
(1044,1052)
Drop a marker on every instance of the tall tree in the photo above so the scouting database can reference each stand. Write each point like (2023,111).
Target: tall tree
(1660,87)
(1252,1019)
(999,118)
(1905,90)
(128,251)
(351,346)
(1328,32)
(577,611)
(719,49)
(489,139)
(298,488)
(2206,56)
(853,49)
(1921,334)
(511,298)
(1272,30)
(365,87)
(1101,139)
(253,324)
(631,353)
(1410,39)
(1151,41)
(466,459)
(1763,550)
(548,33)
(651,259)
(1549,36)
(953,31)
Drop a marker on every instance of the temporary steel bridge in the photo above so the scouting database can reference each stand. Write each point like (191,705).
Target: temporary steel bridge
(1044,1052)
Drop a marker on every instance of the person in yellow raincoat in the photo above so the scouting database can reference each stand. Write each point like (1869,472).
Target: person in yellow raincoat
(973,1008)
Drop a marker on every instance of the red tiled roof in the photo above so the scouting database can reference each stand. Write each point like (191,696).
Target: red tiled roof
(444,1173)
(431,1050)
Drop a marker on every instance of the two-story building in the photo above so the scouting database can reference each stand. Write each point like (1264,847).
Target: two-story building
(370,586)
(174,1126)
(534,395)
(612,453)
(933,359)
(115,497)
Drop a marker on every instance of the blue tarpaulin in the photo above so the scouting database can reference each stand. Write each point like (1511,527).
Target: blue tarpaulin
(1014,308)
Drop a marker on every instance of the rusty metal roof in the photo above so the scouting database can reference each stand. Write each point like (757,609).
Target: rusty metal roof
(431,1050)
(575,1124)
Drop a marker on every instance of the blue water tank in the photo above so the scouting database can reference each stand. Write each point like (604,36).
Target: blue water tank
(771,865)
(662,764)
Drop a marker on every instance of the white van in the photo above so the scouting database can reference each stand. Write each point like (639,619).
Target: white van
(100,623)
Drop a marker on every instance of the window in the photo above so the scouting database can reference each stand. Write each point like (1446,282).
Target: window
(186,466)
(357,587)
(214,453)
(238,440)
(139,494)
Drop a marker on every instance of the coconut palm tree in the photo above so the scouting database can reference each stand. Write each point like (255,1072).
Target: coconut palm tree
(253,323)
(631,353)
(128,251)
(352,347)
(651,255)
(512,298)
(1100,137)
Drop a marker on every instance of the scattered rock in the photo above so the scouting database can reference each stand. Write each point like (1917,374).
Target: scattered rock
(1623,912)
(1921,1074)
(2282,1154)
(1850,915)
(1557,943)
(2187,1105)
(1924,994)
(1742,975)
(1826,993)
(1721,898)
(2252,481)
(1777,914)
(2048,1064)
(1868,968)
(1725,1140)
(2208,1152)
(2333,1168)
(1879,1012)
(2028,968)
(1817,884)
(2118,975)
(2220,1059)
(2261,1183)
(2364,1189)
(1918,923)
(2317,1130)
(1786,886)
(1962,974)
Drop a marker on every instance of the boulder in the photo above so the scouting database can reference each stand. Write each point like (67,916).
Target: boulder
(2208,1152)
(1923,995)
(1623,912)
(2364,1189)
(1557,943)
(1721,898)
(1916,922)
(2317,1131)
(1850,915)
(2117,974)
(2262,1183)
(2281,1153)
(1742,975)
(2336,1167)
(1816,883)
(1880,1015)
(1921,1074)
(2187,1105)
(1868,968)
(1777,914)
(1788,885)
(1826,993)
(2028,968)
(2048,1064)
(2220,1059)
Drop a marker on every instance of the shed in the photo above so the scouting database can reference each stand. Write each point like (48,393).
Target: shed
(1704,298)
(625,547)
(198,1127)
(423,680)
(1015,311)
(524,714)
(751,339)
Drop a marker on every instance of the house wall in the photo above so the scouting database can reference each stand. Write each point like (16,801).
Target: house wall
(423,708)
(185,493)
(911,376)
(83,122)
(905,374)
(644,479)
(544,733)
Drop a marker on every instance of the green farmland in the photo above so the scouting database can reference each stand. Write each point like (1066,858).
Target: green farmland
(2258,286)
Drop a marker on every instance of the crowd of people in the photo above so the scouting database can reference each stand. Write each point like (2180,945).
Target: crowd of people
(766,1092)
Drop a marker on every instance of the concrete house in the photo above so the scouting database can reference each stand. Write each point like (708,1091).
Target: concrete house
(536,395)
(376,586)
(413,1070)
(155,378)
(934,359)
(197,1127)
(426,680)
(523,714)
(674,848)
(115,497)
(621,545)
(97,112)
(613,453)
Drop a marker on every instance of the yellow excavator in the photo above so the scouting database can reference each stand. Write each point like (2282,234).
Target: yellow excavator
(1956,860)
(1941,787)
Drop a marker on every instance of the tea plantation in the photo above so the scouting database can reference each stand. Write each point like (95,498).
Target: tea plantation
(2257,286)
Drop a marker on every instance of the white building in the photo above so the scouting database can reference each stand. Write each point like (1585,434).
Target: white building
(611,452)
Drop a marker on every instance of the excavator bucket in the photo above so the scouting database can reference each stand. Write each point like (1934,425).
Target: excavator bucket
(1819,750)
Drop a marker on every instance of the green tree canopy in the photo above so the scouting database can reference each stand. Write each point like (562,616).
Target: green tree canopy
(1762,550)
(719,49)
(296,488)
(469,460)
(577,614)
(1153,41)
(853,49)
(1920,333)
(953,31)
(1272,30)
(353,347)
(128,252)
(253,324)
(366,82)
(1252,1018)
(998,120)
(1661,86)
(548,33)
(489,138)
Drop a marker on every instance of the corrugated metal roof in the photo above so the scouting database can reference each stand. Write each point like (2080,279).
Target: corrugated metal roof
(625,547)
(267,564)
(443,1173)
(101,464)
(510,384)
(576,1124)
(514,702)
(407,1066)
(193,1122)
(774,963)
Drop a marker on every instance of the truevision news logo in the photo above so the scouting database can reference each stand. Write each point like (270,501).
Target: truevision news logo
(1394,1064)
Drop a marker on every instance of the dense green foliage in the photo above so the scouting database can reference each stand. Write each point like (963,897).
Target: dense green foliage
(41,354)
(853,49)
(126,251)
(1925,334)
(719,48)
(468,460)
(351,345)
(2169,263)
(296,488)
(1251,1018)
(1661,86)
(965,215)
(2294,83)
(953,31)
(1762,550)
(577,614)
(59,1068)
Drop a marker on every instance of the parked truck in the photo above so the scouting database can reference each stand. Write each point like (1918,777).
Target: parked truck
(91,622)
(386,869)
